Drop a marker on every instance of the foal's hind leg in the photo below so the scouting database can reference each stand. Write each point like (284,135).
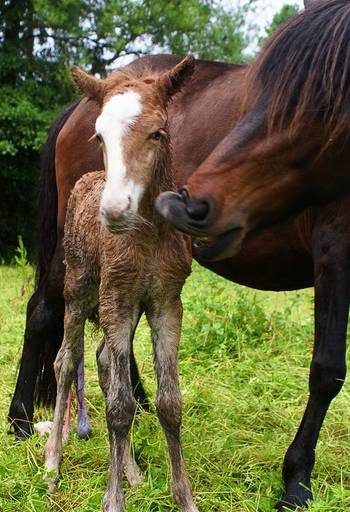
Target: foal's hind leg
(132,471)
(328,367)
(166,329)
(66,365)
(83,425)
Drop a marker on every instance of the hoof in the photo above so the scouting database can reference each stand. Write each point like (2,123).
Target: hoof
(134,476)
(51,482)
(21,429)
(43,427)
(84,429)
(295,501)
(113,503)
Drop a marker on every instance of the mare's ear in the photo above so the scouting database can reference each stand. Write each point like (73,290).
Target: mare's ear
(89,85)
(174,80)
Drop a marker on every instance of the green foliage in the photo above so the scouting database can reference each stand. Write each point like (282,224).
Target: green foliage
(244,388)
(281,17)
(40,39)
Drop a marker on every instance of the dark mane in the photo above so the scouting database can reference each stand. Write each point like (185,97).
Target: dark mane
(303,73)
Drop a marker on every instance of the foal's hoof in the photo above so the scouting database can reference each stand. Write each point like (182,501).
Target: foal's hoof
(51,482)
(84,429)
(134,475)
(294,501)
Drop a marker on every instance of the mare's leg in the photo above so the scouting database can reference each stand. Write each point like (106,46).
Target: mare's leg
(83,425)
(132,471)
(66,365)
(43,336)
(328,368)
(166,329)
(118,322)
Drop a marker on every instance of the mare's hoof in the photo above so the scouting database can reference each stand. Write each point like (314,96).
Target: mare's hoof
(21,429)
(295,501)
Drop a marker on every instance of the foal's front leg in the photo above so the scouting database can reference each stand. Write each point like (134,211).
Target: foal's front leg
(166,329)
(120,402)
(132,471)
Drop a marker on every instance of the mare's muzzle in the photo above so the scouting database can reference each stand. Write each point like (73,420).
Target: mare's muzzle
(195,217)
(186,213)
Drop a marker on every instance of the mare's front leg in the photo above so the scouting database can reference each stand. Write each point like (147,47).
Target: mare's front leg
(118,320)
(328,367)
(165,321)
(66,365)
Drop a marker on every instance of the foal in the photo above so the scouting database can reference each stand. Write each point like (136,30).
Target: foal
(123,257)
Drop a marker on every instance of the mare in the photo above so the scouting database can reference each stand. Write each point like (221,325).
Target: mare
(310,249)
(123,258)
(290,148)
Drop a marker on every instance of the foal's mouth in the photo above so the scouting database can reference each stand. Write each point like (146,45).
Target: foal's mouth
(218,247)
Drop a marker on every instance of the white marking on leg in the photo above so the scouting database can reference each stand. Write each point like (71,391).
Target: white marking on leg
(43,427)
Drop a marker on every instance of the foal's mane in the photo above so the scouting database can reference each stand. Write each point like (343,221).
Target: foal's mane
(303,73)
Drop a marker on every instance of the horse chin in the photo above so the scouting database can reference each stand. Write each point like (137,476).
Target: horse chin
(220,247)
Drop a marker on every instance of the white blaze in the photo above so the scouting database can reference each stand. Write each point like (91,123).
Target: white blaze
(117,115)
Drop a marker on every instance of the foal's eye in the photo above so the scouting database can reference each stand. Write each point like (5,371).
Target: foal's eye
(99,138)
(157,135)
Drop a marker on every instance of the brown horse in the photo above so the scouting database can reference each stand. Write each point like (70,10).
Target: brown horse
(291,147)
(123,258)
(311,249)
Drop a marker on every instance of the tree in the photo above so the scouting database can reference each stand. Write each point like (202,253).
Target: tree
(281,17)
(40,39)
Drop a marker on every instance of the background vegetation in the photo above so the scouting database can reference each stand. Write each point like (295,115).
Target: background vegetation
(244,378)
(40,39)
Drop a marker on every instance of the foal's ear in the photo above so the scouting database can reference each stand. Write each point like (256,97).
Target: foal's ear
(89,85)
(175,79)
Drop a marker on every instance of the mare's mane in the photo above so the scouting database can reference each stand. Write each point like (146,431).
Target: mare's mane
(302,75)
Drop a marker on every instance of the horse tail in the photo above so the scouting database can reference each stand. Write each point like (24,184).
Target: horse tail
(45,389)
(47,205)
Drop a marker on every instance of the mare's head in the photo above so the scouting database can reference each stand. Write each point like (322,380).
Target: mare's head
(133,130)
(288,150)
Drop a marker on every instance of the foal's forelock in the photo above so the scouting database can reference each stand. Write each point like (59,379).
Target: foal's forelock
(120,193)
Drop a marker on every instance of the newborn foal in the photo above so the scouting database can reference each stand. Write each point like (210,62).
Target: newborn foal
(122,256)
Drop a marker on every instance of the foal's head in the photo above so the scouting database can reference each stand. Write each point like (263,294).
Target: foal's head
(133,130)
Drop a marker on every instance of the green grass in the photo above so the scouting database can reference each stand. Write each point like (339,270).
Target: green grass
(244,373)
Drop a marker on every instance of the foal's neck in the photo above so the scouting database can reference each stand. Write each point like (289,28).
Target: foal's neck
(162,181)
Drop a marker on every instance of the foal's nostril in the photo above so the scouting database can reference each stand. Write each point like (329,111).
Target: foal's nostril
(197,209)
(113,214)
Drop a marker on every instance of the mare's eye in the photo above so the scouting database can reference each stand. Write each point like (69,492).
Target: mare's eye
(99,138)
(156,135)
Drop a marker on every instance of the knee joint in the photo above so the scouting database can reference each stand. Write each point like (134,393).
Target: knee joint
(169,410)
(327,379)
(120,413)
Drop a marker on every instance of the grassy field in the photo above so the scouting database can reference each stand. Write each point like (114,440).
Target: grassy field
(244,372)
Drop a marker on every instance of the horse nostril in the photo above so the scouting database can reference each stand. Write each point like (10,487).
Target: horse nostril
(197,209)
(114,214)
